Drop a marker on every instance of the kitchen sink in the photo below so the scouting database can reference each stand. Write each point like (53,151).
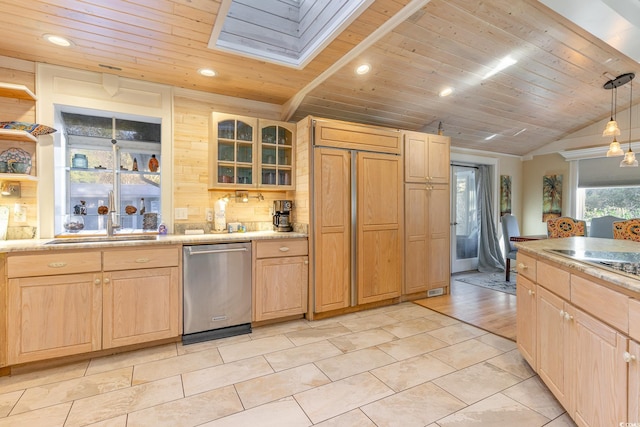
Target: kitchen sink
(99,239)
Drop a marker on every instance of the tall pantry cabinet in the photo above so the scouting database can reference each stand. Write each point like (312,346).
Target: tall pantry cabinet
(427,213)
(356,219)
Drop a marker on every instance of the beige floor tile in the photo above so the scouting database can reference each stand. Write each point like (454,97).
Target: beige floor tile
(495,411)
(500,343)
(411,327)
(466,353)
(443,319)
(120,421)
(53,416)
(355,418)
(319,333)
(459,332)
(190,411)
(476,382)
(8,401)
(368,322)
(209,345)
(409,311)
(279,329)
(41,377)
(219,376)
(412,346)
(360,340)
(535,395)
(284,413)
(246,350)
(131,358)
(514,363)
(74,389)
(410,408)
(412,372)
(563,420)
(164,368)
(297,356)
(349,364)
(115,403)
(270,388)
(330,400)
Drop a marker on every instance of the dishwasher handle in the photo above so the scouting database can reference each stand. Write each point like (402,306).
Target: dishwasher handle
(217,251)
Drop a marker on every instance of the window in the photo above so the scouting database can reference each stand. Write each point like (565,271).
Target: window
(623,202)
(103,154)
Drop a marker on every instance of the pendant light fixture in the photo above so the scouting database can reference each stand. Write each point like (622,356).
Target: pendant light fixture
(629,160)
(612,128)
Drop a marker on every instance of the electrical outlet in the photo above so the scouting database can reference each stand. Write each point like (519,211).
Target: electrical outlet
(209,214)
(181,213)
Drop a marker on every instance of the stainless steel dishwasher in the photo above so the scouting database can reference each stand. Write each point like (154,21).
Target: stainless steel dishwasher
(217,291)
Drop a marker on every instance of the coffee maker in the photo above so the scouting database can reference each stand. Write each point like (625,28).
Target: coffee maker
(282,215)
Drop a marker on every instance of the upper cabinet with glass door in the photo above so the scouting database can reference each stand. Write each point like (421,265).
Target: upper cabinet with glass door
(233,151)
(247,152)
(276,155)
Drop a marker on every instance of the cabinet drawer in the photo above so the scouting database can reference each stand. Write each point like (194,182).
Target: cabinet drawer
(141,258)
(334,133)
(634,319)
(280,248)
(609,306)
(526,266)
(53,263)
(554,279)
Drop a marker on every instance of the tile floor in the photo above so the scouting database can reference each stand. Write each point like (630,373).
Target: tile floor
(403,365)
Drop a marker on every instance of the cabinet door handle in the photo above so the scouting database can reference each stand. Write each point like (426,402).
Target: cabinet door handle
(107,281)
(97,281)
(531,293)
(562,313)
(567,316)
(628,357)
(306,261)
(142,260)
(57,264)
(284,249)
(522,266)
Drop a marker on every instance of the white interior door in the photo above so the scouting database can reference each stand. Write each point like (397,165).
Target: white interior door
(464,223)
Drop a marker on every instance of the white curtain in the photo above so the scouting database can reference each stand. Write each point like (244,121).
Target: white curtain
(489,255)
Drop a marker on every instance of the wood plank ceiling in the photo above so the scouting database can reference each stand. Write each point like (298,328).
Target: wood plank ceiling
(554,89)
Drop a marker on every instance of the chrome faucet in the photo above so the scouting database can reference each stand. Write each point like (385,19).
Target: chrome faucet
(111,224)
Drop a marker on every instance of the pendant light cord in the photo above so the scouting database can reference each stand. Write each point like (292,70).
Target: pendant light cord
(630,107)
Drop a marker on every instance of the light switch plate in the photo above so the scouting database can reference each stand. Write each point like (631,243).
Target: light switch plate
(182,213)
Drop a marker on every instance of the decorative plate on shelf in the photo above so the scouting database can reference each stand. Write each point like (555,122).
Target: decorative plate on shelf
(17,155)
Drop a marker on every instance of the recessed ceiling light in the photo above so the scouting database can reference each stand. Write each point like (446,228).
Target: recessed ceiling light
(490,137)
(505,62)
(207,72)
(58,40)
(446,91)
(363,69)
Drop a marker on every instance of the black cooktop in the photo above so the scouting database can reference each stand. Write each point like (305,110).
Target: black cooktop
(627,263)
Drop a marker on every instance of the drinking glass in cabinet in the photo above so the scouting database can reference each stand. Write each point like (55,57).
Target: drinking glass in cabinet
(226,129)
(225,151)
(269,176)
(269,156)
(269,135)
(284,177)
(284,137)
(245,132)
(244,175)
(284,156)
(225,174)
(245,153)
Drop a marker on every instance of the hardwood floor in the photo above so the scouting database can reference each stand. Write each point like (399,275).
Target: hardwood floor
(490,310)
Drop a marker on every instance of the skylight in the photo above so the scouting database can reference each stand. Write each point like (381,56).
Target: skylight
(285,32)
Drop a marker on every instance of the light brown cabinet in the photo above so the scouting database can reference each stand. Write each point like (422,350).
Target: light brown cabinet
(281,278)
(426,158)
(582,350)
(66,303)
(427,237)
(246,152)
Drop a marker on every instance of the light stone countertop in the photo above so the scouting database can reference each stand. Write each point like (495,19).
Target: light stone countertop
(11,246)
(540,248)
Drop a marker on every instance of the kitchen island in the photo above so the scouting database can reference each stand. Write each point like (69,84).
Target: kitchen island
(578,324)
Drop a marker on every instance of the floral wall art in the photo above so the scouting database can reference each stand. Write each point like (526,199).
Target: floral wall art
(505,194)
(551,197)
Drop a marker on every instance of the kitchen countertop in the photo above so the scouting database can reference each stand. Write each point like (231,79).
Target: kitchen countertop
(11,246)
(542,248)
